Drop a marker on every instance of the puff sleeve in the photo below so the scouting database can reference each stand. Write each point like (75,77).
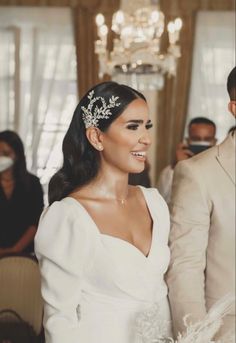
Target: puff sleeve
(63,247)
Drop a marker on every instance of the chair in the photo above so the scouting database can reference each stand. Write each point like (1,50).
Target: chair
(20,289)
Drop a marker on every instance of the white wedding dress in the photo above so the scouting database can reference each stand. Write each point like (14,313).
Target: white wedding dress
(95,286)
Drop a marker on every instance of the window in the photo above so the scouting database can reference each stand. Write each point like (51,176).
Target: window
(213,59)
(38,86)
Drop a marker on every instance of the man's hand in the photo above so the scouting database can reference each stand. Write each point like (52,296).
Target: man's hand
(182,153)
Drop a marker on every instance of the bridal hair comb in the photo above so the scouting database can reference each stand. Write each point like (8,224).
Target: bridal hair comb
(94,112)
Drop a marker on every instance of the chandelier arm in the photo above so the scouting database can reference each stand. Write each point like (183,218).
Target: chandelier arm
(136,49)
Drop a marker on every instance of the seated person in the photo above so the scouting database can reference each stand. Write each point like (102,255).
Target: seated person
(21,197)
(201,135)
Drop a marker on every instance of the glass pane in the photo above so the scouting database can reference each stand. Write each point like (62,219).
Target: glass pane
(47,83)
(213,59)
(7,79)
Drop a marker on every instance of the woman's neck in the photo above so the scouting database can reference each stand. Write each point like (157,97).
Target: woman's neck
(7,175)
(112,186)
(108,185)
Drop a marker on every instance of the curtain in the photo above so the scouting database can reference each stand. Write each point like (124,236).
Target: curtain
(7,80)
(213,59)
(85,36)
(172,100)
(84,12)
(37,81)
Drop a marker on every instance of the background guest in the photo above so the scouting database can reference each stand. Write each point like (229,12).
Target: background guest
(201,135)
(21,197)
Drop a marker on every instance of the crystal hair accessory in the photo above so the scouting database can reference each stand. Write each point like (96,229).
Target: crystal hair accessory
(93,113)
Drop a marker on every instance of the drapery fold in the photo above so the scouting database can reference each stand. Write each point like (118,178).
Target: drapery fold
(37,81)
(213,59)
(172,104)
(85,36)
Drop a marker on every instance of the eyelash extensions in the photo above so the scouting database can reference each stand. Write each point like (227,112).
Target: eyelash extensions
(136,126)
(149,126)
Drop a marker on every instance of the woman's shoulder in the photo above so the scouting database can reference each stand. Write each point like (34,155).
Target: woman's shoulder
(66,212)
(154,199)
(63,236)
(61,208)
(63,220)
(149,192)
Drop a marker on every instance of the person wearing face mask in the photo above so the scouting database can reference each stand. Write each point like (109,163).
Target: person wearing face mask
(201,136)
(21,198)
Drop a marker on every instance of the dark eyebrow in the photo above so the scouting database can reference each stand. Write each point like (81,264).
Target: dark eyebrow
(136,121)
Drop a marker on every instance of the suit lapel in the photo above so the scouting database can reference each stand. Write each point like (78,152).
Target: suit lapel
(226,156)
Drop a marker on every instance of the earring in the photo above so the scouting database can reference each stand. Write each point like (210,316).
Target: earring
(99,147)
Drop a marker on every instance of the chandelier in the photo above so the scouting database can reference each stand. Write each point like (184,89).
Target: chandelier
(136,58)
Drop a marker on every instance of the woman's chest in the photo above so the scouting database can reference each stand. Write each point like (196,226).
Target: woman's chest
(119,267)
(7,189)
(130,224)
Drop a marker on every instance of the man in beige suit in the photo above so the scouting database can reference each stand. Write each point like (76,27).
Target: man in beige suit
(202,238)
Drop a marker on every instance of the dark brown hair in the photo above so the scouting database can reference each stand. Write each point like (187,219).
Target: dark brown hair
(81,161)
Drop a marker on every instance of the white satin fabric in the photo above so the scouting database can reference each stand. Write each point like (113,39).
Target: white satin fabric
(95,285)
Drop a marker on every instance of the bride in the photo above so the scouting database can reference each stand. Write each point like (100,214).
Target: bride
(102,244)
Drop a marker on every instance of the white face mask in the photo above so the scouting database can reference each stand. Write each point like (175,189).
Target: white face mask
(5,163)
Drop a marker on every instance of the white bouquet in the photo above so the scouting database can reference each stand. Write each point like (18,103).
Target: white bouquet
(151,329)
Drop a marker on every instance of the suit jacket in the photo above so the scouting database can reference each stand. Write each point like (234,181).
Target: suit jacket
(164,184)
(202,238)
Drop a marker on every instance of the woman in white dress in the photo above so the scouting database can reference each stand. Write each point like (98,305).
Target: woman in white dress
(102,244)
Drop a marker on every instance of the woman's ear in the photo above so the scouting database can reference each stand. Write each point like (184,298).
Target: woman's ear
(94,137)
(232,107)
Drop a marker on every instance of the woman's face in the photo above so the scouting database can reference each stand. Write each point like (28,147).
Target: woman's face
(6,150)
(127,139)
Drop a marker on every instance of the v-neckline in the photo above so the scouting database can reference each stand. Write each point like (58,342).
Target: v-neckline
(118,238)
(124,241)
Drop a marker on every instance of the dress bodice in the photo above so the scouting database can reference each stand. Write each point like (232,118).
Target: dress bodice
(121,268)
(116,278)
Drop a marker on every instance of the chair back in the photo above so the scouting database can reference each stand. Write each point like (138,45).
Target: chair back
(20,289)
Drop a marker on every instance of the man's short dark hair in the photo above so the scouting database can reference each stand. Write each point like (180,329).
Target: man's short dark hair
(231,84)
(201,120)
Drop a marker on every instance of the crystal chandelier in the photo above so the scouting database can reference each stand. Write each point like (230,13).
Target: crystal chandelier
(136,58)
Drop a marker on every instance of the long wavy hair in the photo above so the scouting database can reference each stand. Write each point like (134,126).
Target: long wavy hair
(81,161)
(21,174)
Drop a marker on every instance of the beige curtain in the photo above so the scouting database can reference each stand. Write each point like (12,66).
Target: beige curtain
(56,3)
(173,100)
(85,35)
(84,12)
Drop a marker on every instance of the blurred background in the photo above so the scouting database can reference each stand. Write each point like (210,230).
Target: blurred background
(53,51)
